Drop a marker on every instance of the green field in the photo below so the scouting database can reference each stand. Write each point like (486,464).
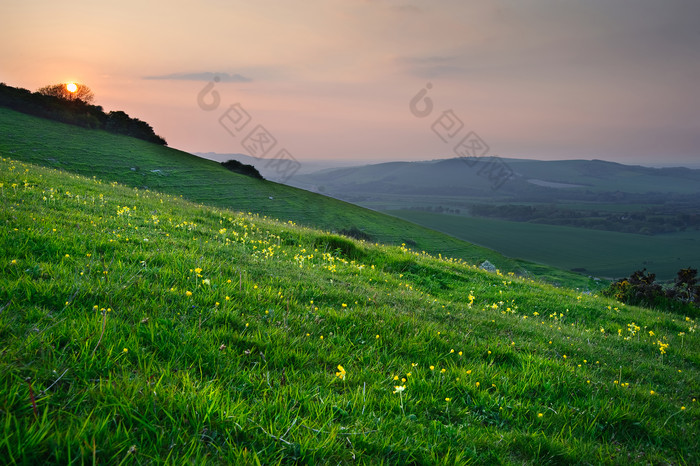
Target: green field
(144,165)
(600,253)
(139,328)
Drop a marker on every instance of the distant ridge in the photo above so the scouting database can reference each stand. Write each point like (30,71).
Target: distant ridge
(473,178)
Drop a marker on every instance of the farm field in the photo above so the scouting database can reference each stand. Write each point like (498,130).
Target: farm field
(600,253)
(139,328)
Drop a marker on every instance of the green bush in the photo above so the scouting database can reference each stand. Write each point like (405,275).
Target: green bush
(339,245)
(354,232)
(242,168)
(641,289)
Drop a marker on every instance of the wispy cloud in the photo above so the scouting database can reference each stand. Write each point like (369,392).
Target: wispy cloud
(203,76)
(431,66)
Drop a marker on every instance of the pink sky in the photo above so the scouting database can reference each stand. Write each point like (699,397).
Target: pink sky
(333,78)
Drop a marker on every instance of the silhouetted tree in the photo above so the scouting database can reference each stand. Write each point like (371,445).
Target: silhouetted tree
(64,91)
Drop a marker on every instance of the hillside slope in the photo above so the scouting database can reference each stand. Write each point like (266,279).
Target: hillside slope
(137,328)
(140,164)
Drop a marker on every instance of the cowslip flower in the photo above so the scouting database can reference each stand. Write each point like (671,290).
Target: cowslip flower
(341,372)
(399,388)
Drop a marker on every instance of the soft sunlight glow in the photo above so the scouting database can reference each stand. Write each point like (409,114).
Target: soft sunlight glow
(71,87)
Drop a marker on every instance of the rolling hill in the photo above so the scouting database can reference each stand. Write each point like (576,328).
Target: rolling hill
(150,166)
(530,180)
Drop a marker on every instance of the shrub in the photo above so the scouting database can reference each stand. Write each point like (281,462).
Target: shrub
(686,288)
(339,245)
(354,232)
(641,289)
(242,168)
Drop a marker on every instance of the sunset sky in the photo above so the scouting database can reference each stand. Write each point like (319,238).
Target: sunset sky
(332,79)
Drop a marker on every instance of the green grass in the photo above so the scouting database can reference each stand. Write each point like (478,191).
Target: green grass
(601,253)
(139,328)
(144,165)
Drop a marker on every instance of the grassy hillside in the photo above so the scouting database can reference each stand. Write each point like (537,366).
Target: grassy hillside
(144,165)
(138,328)
(600,253)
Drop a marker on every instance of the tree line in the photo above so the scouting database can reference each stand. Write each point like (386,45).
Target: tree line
(52,103)
(667,218)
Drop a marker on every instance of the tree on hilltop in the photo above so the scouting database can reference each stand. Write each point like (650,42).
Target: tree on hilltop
(69,91)
(71,104)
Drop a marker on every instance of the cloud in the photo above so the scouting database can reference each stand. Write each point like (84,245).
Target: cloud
(204,76)
(431,66)
(411,9)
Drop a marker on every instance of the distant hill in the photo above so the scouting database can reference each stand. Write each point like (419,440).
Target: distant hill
(588,180)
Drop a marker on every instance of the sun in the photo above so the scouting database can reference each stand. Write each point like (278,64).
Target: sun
(71,87)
